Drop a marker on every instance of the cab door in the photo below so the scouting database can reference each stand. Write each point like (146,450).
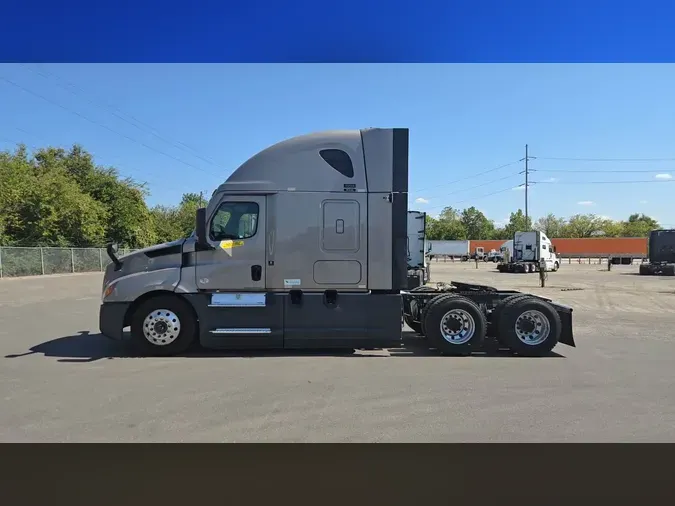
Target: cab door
(236,231)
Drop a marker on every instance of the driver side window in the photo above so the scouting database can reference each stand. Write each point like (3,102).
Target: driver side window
(234,220)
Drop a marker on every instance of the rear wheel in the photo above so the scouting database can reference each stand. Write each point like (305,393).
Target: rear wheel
(529,326)
(499,308)
(425,310)
(644,270)
(669,270)
(163,325)
(455,325)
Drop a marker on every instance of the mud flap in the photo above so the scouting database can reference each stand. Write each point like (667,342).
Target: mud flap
(566,332)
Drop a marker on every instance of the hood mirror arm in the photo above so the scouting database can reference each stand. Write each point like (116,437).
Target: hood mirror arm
(111,249)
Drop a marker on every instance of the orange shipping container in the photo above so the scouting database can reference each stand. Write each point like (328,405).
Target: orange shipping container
(603,246)
(487,245)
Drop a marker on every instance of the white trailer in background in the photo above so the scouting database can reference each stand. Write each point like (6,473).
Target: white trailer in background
(527,251)
(453,249)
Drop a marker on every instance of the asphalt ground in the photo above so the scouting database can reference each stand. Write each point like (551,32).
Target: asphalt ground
(60,380)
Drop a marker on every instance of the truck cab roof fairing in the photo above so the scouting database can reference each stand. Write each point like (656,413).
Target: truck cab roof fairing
(303,163)
(330,161)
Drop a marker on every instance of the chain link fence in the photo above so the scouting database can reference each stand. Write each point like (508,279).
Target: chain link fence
(17,261)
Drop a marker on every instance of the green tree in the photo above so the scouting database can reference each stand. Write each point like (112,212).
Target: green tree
(58,197)
(16,180)
(501,233)
(610,228)
(639,225)
(582,225)
(551,225)
(447,226)
(56,213)
(476,224)
(129,220)
(166,223)
(175,222)
(517,223)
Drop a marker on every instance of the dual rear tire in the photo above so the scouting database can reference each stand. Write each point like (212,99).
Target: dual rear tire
(456,325)
(527,325)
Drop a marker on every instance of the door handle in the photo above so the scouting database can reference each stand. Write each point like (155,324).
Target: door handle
(256,272)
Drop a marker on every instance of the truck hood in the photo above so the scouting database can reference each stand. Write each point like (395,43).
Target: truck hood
(160,256)
(156,247)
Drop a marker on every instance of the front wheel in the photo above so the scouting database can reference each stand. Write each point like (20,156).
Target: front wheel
(163,325)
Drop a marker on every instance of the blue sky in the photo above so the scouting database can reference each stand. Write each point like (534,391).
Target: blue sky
(463,120)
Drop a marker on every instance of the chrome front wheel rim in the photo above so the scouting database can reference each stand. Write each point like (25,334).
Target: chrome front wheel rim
(161,327)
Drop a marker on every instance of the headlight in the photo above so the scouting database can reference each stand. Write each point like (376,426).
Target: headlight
(108,290)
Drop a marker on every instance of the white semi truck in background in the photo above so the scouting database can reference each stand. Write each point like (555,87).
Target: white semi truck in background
(527,251)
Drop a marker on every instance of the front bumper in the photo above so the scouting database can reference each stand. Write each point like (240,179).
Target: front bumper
(111,319)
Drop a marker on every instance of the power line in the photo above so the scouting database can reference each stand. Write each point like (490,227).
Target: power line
(607,159)
(605,182)
(115,111)
(476,186)
(531,183)
(473,198)
(603,171)
(469,176)
(105,126)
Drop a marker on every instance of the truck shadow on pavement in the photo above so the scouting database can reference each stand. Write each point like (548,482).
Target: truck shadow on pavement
(86,347)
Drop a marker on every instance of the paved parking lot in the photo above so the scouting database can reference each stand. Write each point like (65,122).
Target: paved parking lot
(61,381)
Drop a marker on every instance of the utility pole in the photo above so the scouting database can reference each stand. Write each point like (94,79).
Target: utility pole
(527,180)
(201,199)
(526,183)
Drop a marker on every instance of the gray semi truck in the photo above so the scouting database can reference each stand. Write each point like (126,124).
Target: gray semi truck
(661,254)
(305,246)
